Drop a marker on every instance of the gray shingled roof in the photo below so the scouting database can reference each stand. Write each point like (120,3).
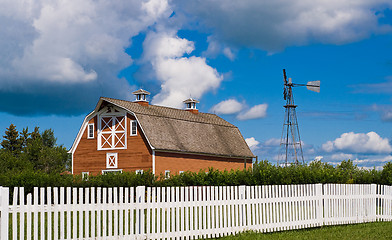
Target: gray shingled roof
(170,129)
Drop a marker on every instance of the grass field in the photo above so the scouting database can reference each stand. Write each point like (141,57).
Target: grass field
(365,231)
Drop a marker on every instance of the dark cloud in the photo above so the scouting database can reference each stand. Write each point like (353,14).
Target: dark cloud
(274,25)
(60,99)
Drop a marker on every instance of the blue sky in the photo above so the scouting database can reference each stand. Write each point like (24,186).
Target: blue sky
(59,57)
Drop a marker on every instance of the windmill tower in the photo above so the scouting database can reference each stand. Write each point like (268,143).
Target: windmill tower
(290,142)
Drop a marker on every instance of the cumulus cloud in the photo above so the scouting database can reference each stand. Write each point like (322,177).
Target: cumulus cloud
(359,143)
(230,106)
(73,48)
(180,76)
(252,143)
(274,25)
(258,111)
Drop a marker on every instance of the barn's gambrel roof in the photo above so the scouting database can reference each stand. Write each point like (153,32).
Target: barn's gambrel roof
(176,130)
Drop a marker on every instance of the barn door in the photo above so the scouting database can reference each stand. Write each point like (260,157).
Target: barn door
(112,132)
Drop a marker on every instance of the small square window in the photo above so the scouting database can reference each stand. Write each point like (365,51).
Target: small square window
(139,171)
(181,172)
(85,175)
(111,160)
(90,131)
(133,127)
(167,174)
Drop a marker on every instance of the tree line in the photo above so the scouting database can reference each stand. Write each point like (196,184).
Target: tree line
(36,151)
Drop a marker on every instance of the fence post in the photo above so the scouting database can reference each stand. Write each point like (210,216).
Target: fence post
(140,200)
(4,208)
(319,204)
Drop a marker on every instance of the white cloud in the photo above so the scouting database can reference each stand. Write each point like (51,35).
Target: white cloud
(359,143)
(318,158)
(258,111)
(70,41)
(69,52)
(216,47)
(181,77)
(384,110)
(229,106)
(375,159)
(378,168)
(272,142)
(252,143)
(229,53)
(342,156)
(273,25)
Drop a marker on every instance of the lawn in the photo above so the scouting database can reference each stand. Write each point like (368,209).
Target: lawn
(376,230)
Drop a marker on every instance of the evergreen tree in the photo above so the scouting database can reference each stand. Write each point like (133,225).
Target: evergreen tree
(48,139)
(24,137)
(11,141)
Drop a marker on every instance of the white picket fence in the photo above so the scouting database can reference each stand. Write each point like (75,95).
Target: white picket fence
(186,212)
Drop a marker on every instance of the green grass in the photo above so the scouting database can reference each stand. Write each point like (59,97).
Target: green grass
(377,230)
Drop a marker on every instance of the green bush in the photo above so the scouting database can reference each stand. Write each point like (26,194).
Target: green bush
(263,173)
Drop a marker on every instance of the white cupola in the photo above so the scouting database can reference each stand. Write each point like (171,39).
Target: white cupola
(141,97)
(190,104)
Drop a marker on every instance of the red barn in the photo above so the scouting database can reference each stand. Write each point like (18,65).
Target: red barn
(136,136)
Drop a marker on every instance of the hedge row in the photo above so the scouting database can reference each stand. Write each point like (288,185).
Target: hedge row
(263,173)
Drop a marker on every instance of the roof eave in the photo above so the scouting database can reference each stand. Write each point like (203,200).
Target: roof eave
(204,154)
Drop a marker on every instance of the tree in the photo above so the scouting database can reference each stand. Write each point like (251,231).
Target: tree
(386,174)
(48,139)
(11,141)
(35,151)
(24,137)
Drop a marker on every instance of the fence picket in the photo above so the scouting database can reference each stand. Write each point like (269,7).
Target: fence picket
(187,212)
(93,211)
(115,211)
(41,212)
(74,212)
(127,210)
(14,214)
(61,209)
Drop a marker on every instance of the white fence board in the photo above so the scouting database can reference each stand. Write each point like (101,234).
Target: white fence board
(186,212)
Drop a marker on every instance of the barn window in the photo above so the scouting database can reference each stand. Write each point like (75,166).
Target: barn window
(167,174)
(85,175)
(139,171)
(112,132)
(111,160)
(111,171)
(90,130)
(133,127)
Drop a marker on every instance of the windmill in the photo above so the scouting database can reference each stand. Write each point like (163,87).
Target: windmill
(290,142)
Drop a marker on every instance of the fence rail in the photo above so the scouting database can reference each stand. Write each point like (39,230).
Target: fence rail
(186,212)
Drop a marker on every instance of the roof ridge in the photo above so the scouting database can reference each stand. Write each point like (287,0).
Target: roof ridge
(178,110)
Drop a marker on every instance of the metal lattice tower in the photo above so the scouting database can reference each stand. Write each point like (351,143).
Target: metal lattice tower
(290,142)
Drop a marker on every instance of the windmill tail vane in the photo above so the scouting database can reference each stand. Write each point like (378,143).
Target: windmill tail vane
(290,143)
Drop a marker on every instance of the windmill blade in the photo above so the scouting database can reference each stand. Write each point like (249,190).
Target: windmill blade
(313,86)
(284,76)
